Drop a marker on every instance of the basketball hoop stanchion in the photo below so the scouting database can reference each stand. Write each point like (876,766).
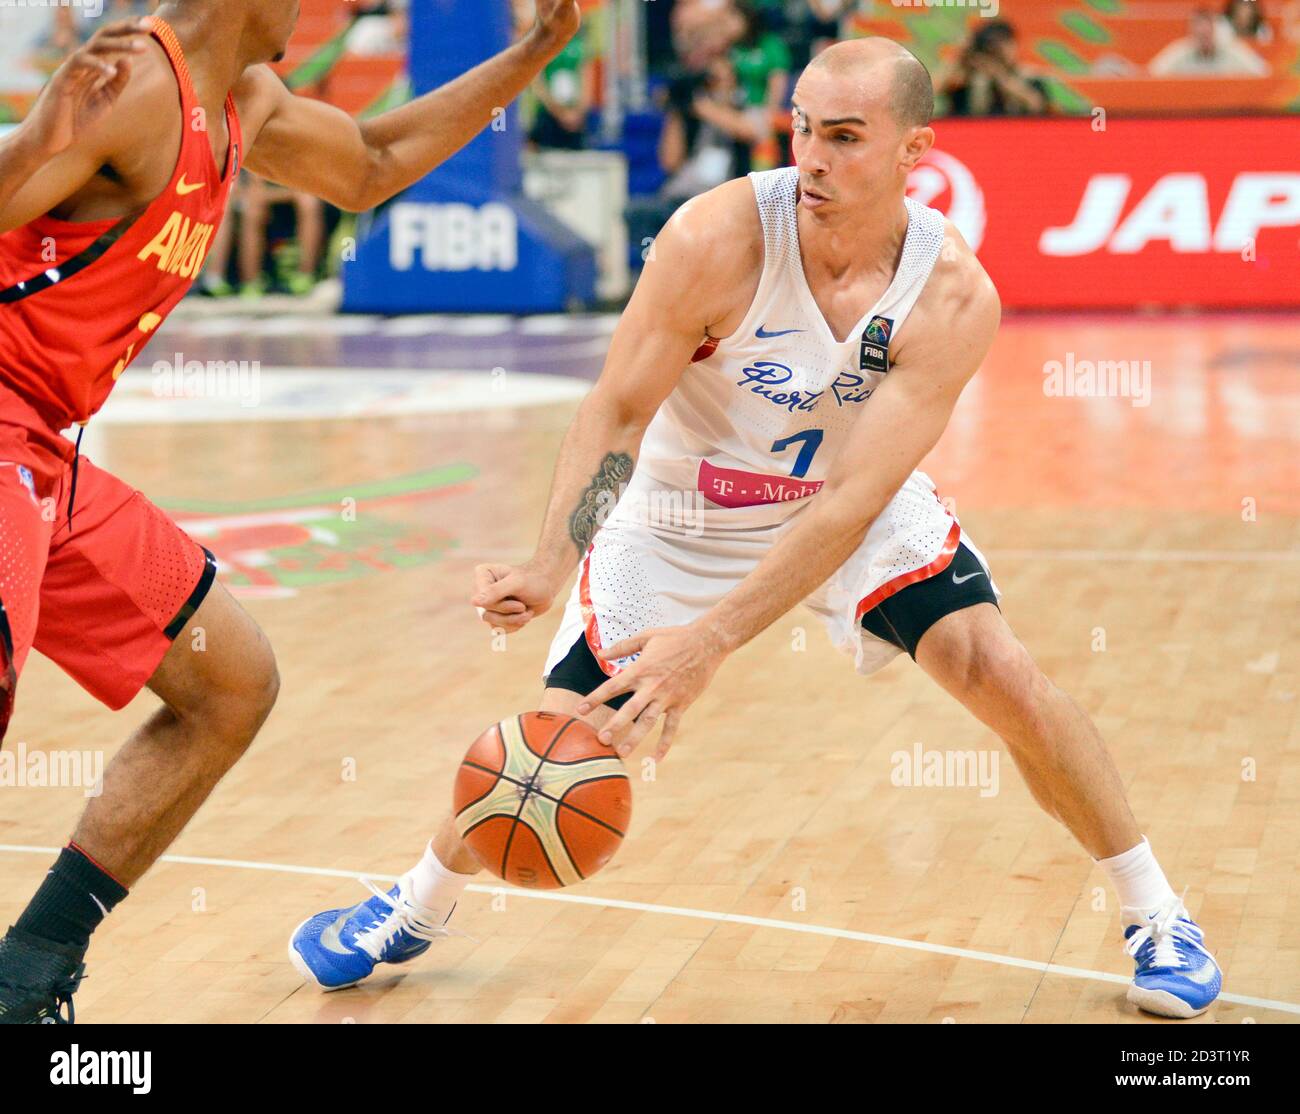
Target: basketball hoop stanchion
(464,238)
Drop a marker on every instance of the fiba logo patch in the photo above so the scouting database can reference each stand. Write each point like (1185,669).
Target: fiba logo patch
(947,184)
(875,345)
(879,330)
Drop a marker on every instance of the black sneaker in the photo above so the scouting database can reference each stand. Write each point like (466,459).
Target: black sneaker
(37,979)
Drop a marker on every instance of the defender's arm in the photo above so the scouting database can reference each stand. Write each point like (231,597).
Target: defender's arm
(357,164)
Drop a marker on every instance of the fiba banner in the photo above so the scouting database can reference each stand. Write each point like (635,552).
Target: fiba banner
(465,238)
(1201,212)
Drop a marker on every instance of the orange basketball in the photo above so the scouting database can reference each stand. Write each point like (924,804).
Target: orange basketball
(540,802)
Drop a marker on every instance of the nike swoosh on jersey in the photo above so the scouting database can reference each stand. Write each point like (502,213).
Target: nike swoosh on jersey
(763,334)
(184,188)
(969,576)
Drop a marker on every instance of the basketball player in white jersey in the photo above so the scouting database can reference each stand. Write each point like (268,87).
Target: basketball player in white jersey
(794,349)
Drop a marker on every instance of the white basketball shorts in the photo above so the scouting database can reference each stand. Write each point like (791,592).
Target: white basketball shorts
(636,576)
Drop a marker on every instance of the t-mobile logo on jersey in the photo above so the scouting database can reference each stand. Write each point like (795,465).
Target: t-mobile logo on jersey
(731,487)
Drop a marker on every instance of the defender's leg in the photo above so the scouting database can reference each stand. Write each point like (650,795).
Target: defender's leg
(218,683)
(128,599)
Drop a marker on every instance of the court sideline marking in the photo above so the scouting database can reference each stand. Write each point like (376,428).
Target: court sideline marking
(699,914)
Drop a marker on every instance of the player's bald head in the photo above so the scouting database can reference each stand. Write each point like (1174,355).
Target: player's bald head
(873,61)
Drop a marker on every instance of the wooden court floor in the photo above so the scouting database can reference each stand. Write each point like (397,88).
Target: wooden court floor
(775,872)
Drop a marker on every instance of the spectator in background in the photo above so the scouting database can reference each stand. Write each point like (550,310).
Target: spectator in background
(1244,19)
(1206,53)
(988,79)
(708,137)
(704,30)
(564,92)
(708,133)
(564,96)
(761,61)
(806,33)
(381,27)
(297,264)
(837,14)
(299,276)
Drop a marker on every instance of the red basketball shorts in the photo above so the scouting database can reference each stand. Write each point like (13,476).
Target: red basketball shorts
(104,596)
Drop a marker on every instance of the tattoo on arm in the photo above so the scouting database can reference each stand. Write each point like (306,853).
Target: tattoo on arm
(599,499)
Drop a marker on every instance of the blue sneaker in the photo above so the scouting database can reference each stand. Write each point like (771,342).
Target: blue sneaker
(340,947)
(1176,976)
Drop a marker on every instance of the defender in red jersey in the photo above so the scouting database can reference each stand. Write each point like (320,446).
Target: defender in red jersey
(110,198)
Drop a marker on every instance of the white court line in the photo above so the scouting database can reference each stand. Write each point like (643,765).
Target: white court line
(701,915)
(1194,556)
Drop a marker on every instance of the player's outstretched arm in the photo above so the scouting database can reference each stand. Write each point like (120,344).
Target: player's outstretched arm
(70,110)
(699,263)
(942,346)
(357,164)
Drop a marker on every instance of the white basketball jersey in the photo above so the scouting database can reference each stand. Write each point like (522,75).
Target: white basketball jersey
(754,426)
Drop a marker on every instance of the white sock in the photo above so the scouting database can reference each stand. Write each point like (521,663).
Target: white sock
(1138,879)
(435,887)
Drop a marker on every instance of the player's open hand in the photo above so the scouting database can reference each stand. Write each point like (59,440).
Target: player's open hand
(84,89)
(557,22)
(508,597)
(675,666)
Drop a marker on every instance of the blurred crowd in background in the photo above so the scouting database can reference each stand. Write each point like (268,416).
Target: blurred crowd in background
(717,77)
(721,71)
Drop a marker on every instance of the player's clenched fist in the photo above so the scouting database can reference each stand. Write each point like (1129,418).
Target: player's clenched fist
(510,596)
(87,85)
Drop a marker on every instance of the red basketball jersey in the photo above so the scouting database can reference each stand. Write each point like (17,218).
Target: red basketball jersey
(79,301)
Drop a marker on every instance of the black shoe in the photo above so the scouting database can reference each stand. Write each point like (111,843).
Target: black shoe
(37,979)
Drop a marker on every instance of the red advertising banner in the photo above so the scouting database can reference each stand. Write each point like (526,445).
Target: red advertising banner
(1198,212)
